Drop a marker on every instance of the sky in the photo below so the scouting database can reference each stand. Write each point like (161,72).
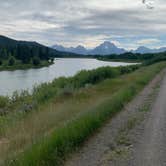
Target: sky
(126,23)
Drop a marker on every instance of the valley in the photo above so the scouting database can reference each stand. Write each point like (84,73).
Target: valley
(82,83)
(64,111)
(55,101)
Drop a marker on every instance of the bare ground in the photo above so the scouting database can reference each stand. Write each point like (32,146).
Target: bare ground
(135,137)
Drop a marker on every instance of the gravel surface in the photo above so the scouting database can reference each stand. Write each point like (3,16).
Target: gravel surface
(151,149)
(135,137)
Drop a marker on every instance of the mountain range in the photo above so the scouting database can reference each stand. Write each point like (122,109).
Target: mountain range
(143,50)
(106,48)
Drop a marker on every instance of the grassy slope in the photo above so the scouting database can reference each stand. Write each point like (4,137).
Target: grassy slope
(61,125)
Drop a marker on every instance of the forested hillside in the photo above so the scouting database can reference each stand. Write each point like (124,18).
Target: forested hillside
(129,56)
(13,52)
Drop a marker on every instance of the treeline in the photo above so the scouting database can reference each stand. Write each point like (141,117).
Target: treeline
(150,57)
(12,51)
(24,53)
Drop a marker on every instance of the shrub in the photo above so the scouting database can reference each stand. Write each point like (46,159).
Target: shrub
(3,101)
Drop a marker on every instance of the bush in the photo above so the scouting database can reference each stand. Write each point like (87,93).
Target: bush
(43,93)
(128,69)
(3,101)
(65,85)
(94,76)
(156,59)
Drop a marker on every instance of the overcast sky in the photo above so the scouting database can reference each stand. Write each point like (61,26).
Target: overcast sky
(127,23)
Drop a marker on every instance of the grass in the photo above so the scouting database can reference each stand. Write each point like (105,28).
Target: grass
(61,87)
(51,150)
(57,127)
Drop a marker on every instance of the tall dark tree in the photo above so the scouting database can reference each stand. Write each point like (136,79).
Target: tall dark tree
(11,61)
(36,61)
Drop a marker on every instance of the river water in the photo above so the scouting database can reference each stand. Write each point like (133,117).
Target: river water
(19,80)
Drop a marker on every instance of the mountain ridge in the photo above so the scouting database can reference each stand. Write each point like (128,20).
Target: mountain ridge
(12,44)
(106,48)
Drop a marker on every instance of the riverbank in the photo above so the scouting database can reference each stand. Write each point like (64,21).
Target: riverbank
(120,60)
(61,86)
(21,66)
(69,118)
(20,80)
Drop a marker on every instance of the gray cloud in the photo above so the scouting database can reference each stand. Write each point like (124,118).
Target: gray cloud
(73,22)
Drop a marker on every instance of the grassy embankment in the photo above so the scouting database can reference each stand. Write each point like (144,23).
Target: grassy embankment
(46,134)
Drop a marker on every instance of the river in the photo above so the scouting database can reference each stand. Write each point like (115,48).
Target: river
(19,80)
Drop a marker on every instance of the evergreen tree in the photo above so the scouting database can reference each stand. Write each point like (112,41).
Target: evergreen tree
(11,61)
(36,61)
(1,62)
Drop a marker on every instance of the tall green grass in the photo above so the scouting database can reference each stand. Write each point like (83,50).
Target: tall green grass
(27,117)
(53,149)
(84,78)
(61,86)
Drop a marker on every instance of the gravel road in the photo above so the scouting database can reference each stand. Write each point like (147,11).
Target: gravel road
(135,137)
(151,149)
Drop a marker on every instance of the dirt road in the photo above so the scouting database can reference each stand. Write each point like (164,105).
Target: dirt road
(151,150)
(135,137)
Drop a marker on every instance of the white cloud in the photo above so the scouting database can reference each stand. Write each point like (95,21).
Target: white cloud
(148,41)
(86,22)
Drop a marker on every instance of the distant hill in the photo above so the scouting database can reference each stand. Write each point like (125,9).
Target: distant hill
(77,50)
(145,50)
(8,42)
(106,48)
(25,50)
